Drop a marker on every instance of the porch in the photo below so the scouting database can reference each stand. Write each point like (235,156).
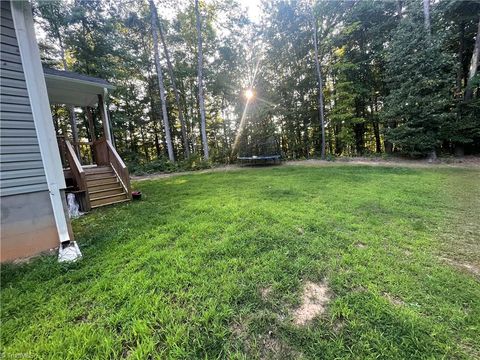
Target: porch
(93,170)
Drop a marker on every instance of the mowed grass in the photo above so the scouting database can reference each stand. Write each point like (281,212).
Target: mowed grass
(212,266)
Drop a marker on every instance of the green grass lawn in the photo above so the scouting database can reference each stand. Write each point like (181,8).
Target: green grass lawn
(213,266)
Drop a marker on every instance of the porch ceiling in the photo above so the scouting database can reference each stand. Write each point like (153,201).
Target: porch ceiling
(65,87)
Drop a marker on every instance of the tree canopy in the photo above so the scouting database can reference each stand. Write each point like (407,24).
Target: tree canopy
(388,83)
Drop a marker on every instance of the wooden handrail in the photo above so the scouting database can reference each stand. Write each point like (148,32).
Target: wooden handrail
(106,154)
(73,160)
(119,167)
(77,171)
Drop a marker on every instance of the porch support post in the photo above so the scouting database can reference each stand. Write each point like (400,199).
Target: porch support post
(104,114)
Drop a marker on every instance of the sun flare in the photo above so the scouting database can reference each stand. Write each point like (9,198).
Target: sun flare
(249,94)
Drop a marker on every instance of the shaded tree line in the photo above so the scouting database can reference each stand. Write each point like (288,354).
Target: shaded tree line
(339,78)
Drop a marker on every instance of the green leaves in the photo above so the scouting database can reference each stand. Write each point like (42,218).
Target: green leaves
(420,78)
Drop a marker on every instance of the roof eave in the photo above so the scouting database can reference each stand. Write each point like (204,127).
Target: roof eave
(80,81)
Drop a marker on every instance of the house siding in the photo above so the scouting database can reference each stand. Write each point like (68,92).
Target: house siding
(27,225)
(21,166)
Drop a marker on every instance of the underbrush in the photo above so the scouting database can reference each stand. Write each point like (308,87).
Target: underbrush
(163,165)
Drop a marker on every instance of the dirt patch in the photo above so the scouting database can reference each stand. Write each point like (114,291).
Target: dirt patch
(28,259)
(359,289)
(271,347)
(360,245)
(170,175)
(464,162)
(81,319)
(262,346)
(314,302)
(338,326)
(465,266)
(392,299)
(237,329)
(471,350)
(265,293)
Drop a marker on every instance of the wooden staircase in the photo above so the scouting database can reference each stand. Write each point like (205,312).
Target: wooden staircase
(104,186)
(105,183)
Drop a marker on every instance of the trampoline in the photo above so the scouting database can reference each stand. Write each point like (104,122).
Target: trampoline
(255,152)
(260,160)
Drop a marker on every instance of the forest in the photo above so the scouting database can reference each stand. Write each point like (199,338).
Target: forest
(200,82)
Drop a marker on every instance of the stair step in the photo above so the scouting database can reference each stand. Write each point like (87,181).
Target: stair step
(97,169)
(109,199)
(100,176)
(107,185)
(111,203)
(104,188)
(101,181)
(104,192)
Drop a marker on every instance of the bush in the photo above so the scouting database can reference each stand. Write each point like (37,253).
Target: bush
(330,157)
(194,162)
(163,165)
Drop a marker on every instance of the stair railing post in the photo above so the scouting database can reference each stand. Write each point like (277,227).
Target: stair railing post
(104,115)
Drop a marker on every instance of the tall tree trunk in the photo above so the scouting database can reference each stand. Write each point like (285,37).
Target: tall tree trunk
(157,141)
(192,122)
(91,123)
(161,87)
(203,122)
(55,120)
(338,144)
(144,143)
(428,30)
(376,131)
(174,88)
(359,130)
(426,15)
(461,46)
(226,145)
(473,65)
(399,9)
(376,126)
(320,86)
(391,123)
(156,124)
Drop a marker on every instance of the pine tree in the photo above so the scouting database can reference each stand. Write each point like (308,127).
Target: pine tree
(420,81)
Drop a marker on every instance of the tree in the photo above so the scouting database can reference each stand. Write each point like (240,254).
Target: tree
(387,82)
(174,87)
(320,86)
(420,80)
(473,65)
(161,87)
(426,16)
(52,11)
(201,101)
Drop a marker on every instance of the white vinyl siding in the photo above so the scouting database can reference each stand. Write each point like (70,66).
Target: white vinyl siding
(21,166)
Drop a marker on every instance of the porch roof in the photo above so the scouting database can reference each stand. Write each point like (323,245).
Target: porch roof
(66,87)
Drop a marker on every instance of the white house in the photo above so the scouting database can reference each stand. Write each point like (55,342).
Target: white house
(37,165)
